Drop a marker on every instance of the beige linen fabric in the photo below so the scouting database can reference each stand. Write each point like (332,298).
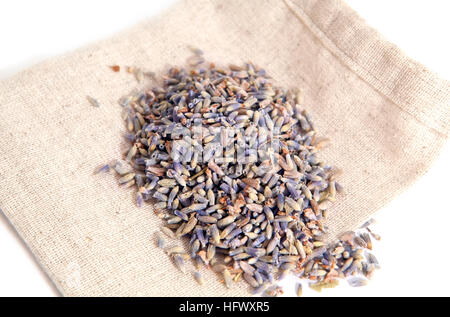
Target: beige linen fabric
(386,115)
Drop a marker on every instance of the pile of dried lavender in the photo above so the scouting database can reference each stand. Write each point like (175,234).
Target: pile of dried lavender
(232,162)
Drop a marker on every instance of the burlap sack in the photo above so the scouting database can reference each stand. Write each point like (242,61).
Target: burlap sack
(386,115)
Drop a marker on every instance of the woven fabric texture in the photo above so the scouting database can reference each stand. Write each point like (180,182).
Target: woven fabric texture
(386,116)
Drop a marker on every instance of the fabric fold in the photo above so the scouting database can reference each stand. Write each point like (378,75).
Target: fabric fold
(386,117)
(381,64)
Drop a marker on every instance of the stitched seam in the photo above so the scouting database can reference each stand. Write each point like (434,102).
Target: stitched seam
(363,73)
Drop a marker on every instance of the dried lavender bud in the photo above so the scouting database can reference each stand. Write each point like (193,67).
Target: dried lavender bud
(235,161)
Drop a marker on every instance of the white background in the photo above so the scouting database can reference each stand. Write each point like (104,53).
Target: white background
(414,250)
